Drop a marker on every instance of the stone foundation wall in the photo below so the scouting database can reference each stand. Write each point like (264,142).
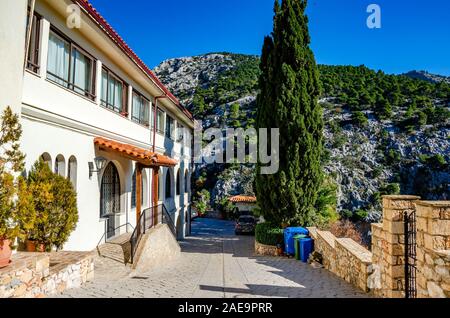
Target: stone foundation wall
(35,275)
(265,250)
(343,257)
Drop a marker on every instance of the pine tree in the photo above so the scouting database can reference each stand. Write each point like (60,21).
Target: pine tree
(289,90)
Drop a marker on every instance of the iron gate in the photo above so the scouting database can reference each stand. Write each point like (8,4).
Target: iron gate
(409,219)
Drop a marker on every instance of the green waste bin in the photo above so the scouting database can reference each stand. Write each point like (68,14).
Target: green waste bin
(297,239)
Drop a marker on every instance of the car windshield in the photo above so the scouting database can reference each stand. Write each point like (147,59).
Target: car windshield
(246,220)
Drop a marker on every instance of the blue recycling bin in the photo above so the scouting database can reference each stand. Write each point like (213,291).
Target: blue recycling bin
(289,233)
(306,248)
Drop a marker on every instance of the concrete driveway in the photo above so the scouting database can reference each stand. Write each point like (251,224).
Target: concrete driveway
(216,263)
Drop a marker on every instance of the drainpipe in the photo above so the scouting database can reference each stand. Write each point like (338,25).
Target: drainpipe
(28,34)
(154,119)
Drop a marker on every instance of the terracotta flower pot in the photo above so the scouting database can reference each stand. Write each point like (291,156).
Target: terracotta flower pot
(30,246)
(5,253)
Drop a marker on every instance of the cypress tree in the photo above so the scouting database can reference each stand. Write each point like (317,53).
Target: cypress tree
(289,90)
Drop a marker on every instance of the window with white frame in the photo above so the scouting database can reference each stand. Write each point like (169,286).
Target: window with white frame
(170,127)
(113,92)
(69,66)
(180,132)
(33,45)
(159,120)
(140,109)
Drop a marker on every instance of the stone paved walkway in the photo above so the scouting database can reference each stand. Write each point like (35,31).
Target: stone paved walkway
(216,263)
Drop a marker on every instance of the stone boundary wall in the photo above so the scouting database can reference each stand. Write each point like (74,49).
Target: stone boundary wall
(433,249)
(343,257)
(382,270)
(265,250)
(36,275)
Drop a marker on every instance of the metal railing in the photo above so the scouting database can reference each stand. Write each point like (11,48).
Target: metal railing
(105,235)
(148,219)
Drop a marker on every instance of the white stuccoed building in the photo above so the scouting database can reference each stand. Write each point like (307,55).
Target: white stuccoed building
(86,100)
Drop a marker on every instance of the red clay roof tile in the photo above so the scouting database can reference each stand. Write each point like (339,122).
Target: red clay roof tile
(140,155)
(243,198)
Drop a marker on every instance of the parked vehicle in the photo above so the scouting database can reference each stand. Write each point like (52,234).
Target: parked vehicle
(245,224)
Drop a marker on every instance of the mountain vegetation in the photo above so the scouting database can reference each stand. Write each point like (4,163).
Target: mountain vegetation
(383,134)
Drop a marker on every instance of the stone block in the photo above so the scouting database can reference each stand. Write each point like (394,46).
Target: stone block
(445,287)
(399,202)
(397,271)
(397,249)
(422,224)
(439,227)
(393,215)
(442,271)
(20,291)
(393,227)
(435,291)
(41,265)
(423,211)
(5,280)
(428,241)
(429,259)
(444,214)
(430,274)
(26,276)
(395,294)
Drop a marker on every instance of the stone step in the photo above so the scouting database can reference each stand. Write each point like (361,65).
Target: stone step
(117,248)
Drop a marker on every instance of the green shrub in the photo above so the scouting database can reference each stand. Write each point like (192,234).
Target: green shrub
(268,234)
(390,189)
(360,215)
(55,204)
(392,157)
(433,161)
(346,214)
(16,211)
(359,119)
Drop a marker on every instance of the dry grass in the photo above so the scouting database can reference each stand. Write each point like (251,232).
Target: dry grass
(346,228)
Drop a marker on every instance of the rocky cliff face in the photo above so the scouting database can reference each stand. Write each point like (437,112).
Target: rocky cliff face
(426,76)
(221,90)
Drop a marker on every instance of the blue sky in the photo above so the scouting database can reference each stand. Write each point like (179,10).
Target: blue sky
(415,34)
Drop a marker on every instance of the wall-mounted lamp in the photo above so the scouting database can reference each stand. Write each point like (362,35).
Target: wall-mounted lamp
(100,163)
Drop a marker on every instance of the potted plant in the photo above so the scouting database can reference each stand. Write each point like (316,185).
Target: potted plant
(16,213)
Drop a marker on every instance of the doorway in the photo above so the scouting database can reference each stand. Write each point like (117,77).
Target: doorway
(110,198)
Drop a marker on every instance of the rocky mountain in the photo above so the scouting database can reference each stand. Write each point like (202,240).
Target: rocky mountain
(384,134)
(425,76)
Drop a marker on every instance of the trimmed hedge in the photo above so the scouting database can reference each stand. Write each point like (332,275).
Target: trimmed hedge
(267,234)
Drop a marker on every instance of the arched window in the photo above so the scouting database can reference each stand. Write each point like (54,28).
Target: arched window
(60,165)
(186,181)
(47,159)
(168,185)
(178,183)
(72,171)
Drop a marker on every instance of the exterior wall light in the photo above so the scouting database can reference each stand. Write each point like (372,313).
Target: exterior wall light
(100,164)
